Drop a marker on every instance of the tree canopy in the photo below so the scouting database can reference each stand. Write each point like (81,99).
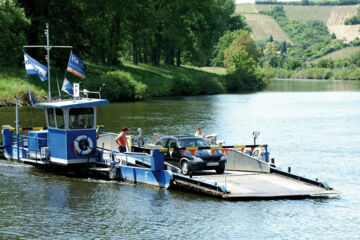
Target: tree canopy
(13,33)
(106,31)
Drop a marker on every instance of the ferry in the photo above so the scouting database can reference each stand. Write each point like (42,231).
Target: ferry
(73,139)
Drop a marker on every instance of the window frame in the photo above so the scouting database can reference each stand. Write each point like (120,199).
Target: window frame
(171,140)
(53,116)
(71,122)
(63,117)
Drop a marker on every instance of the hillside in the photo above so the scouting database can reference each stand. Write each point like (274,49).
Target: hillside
(336,21)
(264,26)
(333,16)
(246,8)
(302,13)
(349,53)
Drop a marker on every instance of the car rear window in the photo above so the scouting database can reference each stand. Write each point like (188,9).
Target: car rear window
(192,142)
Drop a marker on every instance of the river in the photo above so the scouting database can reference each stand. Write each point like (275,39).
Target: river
(312,126)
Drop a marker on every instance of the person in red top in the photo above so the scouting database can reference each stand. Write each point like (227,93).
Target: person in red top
(121,139)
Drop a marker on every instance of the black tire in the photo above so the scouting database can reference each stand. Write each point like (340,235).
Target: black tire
(220,170)
(185,168)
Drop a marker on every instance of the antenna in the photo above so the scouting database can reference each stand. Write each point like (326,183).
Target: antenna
(47,48)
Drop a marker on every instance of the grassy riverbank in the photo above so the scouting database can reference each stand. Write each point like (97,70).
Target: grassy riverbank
(123,83)
(13,83)
(314,73)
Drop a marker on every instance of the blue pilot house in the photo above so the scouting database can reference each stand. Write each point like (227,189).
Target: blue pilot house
(71,130)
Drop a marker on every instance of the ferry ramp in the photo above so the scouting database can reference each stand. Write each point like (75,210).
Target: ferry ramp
(252,179)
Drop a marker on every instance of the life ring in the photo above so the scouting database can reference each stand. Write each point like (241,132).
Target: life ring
(83,145)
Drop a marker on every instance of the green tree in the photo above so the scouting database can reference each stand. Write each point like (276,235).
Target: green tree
(241,62)
(305,2)
(224,43)
(13,27)
(237,22)
(243,74)
(271,39)
(283,48)
(242,42)
(270,48)
(154,31)
(275,61)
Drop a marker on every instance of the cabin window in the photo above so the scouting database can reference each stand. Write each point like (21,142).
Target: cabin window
(60,118)
(51,117)
(81,118)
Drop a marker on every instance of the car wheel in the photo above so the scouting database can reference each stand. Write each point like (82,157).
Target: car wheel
(185,168)
(220,170)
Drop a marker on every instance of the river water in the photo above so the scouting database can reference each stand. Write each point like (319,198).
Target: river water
(312,126)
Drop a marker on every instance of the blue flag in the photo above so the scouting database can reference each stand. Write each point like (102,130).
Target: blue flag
(31,97)
(67,87)
(76,66)
(34,67)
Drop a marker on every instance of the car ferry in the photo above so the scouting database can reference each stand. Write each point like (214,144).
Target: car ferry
(72,139)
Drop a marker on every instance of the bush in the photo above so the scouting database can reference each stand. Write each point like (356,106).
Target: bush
(199,85)
(352,21)
(181,86)
(328,74)
(310,73)
(239,82)
(206,85)
(283,73)
(121,86)
(293,64)
(243,73)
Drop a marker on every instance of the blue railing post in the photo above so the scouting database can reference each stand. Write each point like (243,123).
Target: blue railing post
(17,129)
(266,154)
(157,161)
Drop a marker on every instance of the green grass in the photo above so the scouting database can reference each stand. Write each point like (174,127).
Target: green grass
(216,70)
(13,83)
(160,81)
(164,80)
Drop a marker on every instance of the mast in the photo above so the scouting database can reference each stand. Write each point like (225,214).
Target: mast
(48,58)
(47,48)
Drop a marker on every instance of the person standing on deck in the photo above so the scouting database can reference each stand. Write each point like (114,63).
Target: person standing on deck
(199,133)
(121,140)
(140,138)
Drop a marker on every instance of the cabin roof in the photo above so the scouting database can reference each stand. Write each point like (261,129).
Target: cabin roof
(70,103)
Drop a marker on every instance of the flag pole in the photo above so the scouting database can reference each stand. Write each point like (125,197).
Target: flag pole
(58,87)
(48,48)
(48,59)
